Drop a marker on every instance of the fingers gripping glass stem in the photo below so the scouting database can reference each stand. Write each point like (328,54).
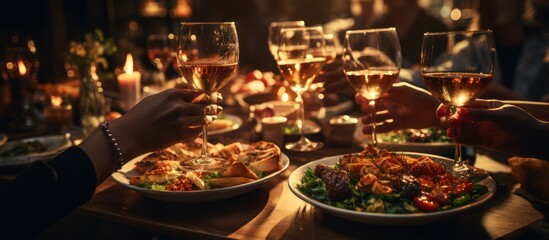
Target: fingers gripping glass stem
(373,114)
(207,56)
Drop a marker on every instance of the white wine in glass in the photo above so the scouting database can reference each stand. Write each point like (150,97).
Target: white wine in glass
(457,67)
(371,62)
(207,54)
(300,56)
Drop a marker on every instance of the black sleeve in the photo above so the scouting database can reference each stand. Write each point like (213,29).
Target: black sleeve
(45,192)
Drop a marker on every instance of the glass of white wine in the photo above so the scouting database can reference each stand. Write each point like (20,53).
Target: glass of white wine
(207,54)
(300,56)
(457,67)
(371,62)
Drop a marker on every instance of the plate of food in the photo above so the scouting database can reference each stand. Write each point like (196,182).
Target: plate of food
(428,140)
(33,149)
(158,175)
(380,187)
(224,123)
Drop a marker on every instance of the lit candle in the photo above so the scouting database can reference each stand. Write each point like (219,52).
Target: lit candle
(129,84)
(22,68)
(16,73)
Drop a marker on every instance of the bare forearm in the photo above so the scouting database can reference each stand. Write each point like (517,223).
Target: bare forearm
(539,110)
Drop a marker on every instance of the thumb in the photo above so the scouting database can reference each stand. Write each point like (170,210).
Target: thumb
(442,111)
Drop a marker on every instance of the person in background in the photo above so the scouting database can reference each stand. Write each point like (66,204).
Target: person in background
(522,46)
(45,192)
(514,127)
(410,21)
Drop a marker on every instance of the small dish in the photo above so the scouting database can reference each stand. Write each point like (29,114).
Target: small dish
(52,145)
(229,123)
(438,148)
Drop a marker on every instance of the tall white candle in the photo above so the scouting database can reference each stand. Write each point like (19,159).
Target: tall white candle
(129,84)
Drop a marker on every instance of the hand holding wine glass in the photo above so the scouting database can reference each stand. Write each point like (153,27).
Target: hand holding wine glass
(371,62)
(207,55)
(457,67)
(300,56)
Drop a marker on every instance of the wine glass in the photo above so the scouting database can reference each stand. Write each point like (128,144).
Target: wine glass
(371,62)
(300,56)
(207,55)
(158,51)
(274,34)
(457,67)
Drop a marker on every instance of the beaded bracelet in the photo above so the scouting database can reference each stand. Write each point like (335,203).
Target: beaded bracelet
(114,144)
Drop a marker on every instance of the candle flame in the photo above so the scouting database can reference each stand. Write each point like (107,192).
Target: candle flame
(22,68)
(56,101)
(128,67)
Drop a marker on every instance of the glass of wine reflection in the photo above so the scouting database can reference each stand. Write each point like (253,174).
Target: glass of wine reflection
(371,62)
(457,67)
(207,54)
(158,51)
(300,56)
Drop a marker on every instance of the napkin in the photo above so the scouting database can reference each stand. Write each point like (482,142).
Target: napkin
(533,176)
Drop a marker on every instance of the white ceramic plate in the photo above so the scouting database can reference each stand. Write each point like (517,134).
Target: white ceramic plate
(386,218)
(237,122)
(55,144)
(122,177)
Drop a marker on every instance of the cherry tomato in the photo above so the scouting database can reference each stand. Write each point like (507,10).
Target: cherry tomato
(463,187)
(423,203)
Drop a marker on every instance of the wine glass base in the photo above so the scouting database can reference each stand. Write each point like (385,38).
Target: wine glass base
(205,164)
(469,172)
(304,145)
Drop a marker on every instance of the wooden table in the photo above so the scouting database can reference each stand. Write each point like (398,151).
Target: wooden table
(273,212)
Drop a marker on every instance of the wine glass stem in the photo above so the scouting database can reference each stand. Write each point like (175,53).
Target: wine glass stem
(301,122)
(204,151)
(373,114)
(458,164)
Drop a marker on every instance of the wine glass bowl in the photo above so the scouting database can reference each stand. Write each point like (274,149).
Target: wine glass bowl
(457,67)
(207,55)
(371,62)
(274,34)
(301,54)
